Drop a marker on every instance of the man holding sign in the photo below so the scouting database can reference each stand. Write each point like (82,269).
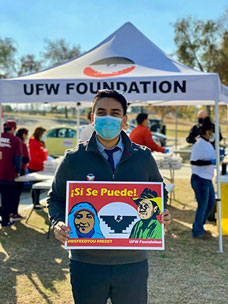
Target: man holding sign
(109,155)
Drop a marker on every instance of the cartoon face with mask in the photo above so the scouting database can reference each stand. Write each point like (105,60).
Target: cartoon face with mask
(108,118)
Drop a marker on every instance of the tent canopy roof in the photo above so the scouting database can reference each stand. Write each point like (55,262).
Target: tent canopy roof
(126,61)
(124,47)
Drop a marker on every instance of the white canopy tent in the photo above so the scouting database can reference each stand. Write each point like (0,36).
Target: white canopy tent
(126,61)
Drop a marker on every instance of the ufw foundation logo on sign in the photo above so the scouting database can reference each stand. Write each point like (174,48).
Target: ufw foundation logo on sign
(109,67)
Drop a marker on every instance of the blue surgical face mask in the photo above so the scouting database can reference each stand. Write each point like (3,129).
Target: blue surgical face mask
(212,138)
(43,137)
(107,127)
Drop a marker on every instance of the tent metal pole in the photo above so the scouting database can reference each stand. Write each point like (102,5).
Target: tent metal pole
(176,125)
(78,120)
(18,112)
(218,199)
(1,119)
(227,117)
(1,126)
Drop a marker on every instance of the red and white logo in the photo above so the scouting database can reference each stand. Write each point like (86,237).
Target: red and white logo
(109,67)
(90,177)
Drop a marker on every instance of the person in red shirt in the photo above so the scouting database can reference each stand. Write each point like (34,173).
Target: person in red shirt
(141,135)
(37,151)
(38,154)
(22,134)
(10,167)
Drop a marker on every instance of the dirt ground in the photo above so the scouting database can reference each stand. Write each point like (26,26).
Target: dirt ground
(34,269)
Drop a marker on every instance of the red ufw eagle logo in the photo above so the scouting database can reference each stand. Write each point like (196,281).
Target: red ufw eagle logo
(109,67)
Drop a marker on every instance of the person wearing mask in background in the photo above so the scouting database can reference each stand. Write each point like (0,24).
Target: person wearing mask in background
(88,130)
(10,167)
(195,131)
(203,159)
(37,154)
(22,133)
(109,155)
(142,135)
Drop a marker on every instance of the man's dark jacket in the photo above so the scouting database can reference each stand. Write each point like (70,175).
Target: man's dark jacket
(136,165)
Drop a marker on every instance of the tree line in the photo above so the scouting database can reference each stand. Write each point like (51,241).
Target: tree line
(54,52)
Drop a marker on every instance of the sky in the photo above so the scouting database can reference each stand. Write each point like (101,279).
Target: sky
(88,22)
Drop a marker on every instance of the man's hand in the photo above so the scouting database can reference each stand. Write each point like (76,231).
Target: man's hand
(17,175)
(61,232)
(166,217)
(167,150)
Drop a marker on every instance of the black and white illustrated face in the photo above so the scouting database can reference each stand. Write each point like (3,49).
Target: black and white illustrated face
(146,209)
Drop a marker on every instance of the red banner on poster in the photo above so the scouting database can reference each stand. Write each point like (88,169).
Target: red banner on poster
(114,215)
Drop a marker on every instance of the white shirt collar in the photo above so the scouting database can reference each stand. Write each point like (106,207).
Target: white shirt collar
(101,148)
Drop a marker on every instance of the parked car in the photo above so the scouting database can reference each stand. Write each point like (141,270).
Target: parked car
(159,138)
(61,138)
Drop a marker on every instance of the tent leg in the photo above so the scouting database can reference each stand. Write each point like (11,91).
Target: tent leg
(176,139)
(219,217)
(78,121)
(227,117)
(1,126)
(1,118)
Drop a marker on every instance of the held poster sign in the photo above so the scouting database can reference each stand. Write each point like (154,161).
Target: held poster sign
(114,215)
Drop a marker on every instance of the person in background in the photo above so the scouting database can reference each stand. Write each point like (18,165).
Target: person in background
(37,151)
(195,131)
(88,130)
(10,167)
(38,154)
(194,135)
(202,163)
(142,135)
(22,133)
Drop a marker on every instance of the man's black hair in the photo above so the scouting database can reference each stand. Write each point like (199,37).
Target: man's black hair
(110,94)
(141,117)
(7,129)
(21,131)
(207,125)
